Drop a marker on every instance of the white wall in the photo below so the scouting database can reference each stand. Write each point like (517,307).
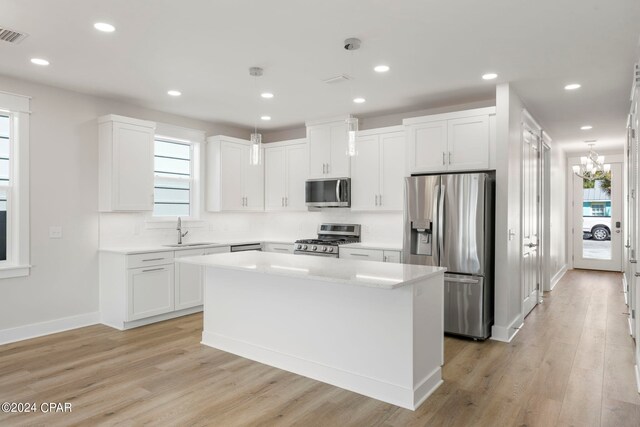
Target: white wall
(64,278)
(508,291)
(558,219)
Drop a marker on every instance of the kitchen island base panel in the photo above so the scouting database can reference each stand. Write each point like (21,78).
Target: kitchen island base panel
(383,343)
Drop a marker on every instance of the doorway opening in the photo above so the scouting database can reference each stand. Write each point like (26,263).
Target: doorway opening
(596,219)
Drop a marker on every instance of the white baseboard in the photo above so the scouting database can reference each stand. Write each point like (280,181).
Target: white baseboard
(556,277)
(49,327)
(404,397)
(506,333)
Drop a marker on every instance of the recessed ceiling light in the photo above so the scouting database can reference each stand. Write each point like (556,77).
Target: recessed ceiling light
(359,100)
(267,95)
(572,86)
(587,127)
(489,76)
(39,61)
(265,118)
(174,93)
(104,27)
(381,68)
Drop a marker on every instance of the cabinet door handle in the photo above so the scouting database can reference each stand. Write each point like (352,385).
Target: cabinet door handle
(153,269)
(281,249)
(286,201)
(376,200)
(364,255)
(328,167)
(380,199)
(449,157)
(152,259)
(384,258)
(443,163)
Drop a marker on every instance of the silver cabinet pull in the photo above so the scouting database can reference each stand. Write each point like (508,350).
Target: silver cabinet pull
(365,255)
(449,157)
(328,167)
(376,200)
(286,201)
(152,259)
(153,269)
(281,249)
(380,199)
(443,163)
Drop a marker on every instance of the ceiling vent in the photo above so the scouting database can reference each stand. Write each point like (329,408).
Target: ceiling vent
(337,79)
(11,36)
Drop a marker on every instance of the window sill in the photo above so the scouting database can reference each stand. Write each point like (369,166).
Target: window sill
(9,271)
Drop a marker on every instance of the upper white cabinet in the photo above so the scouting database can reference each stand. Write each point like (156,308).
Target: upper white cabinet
(286,169)
(458,141)
(125,166)
(232,183)
(328,143)
(378,170)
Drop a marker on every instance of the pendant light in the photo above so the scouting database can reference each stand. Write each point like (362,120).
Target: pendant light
(351,45)
(255,151)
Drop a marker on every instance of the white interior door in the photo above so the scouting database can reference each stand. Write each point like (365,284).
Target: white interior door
(530,219)
(597,222)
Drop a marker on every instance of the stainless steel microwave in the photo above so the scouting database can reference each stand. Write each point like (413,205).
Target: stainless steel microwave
(328,193)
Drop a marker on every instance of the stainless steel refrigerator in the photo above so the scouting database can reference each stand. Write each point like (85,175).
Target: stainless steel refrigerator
(448,222)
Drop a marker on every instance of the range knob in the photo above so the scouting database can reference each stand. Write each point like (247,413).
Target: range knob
(324,249)
(331,249)
(299,247)
(315,248)
(304,248)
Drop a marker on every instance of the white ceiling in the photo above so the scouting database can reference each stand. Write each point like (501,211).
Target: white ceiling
(437,50)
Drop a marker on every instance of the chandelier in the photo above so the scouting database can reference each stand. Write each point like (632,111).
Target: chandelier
(591,166)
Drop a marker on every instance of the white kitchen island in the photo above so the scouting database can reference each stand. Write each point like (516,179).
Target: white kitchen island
(370,327)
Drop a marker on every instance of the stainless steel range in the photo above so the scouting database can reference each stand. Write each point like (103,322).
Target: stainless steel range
(330,237)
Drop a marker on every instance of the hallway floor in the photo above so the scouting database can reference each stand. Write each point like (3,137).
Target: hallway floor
(571,364)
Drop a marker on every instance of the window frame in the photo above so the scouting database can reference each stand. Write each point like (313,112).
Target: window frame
(17,264)
(195,140)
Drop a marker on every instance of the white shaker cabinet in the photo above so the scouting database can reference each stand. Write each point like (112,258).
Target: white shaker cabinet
(378,170)
(328,143)
(286,169)
(189,281)
(458,141)
(232,183)
(150,291)
(125,166)
(365,254)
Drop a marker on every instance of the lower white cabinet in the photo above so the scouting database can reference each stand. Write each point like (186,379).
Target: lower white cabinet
(282,248)
(150,291)
(371,255)
(189,281)
(143,288)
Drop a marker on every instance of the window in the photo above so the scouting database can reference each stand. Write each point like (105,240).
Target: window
(14,185)
(174,189)
(5,183)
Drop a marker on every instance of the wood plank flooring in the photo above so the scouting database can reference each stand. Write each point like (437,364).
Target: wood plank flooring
(570,365)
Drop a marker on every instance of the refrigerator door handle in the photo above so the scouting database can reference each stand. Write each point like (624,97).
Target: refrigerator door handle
(441,223)
(434,225)
(457,280)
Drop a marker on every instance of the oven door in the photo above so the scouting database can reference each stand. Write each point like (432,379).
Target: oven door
(328,193)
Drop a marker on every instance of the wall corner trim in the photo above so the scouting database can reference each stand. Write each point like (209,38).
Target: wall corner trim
(506,333)
(35,330)
(559,275)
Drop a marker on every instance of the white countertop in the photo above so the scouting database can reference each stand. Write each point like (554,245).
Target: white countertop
(161,248)
(362,273)
(377,246)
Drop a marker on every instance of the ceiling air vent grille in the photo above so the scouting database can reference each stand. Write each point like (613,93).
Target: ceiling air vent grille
(11,36)
(337,79)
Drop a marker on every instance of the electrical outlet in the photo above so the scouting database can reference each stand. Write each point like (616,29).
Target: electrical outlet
(55,232)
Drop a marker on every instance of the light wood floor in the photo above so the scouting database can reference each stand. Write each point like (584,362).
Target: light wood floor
(571,364)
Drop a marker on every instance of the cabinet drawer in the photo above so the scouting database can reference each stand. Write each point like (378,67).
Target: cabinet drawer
(362,254)
(144,260)
(392,256)
(279,248)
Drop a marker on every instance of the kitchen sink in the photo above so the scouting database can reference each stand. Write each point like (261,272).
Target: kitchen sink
(189,245)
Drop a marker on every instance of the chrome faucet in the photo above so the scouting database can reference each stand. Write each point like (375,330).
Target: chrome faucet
(180,233)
